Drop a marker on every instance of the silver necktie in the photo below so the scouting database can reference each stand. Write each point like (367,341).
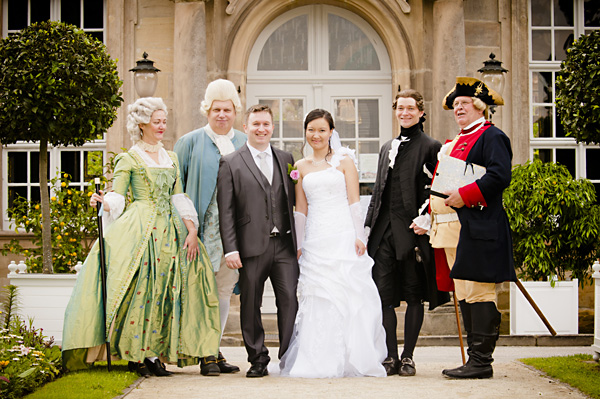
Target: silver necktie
(264,166)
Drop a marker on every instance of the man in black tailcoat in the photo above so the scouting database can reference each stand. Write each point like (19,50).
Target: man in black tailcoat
(404,262)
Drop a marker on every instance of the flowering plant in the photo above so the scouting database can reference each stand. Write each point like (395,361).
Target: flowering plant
(27,359)
(293,173)
(73,223)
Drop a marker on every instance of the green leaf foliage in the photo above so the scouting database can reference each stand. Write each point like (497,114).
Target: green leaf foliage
(73,227)
(56,83)
(578,89)
(555,222)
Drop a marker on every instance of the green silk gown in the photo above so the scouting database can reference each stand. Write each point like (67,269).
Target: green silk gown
(158,303)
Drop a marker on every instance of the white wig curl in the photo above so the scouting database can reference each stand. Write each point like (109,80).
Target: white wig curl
(140,112)
(479,104)
(220,90)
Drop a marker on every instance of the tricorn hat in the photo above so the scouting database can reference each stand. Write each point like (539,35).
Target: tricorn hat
(471,87)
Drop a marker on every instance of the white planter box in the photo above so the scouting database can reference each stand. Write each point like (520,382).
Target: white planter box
(560,305)
(44,298)
(596,345)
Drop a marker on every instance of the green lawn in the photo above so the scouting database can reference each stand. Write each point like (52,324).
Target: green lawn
(95,383)
(579,371)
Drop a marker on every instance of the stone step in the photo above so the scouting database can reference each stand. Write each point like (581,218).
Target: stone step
(440,321)
(452,340)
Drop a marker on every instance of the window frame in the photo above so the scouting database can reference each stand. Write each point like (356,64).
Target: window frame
(54,167)
(553,143)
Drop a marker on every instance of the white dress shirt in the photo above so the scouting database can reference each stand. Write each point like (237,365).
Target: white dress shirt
(269,159)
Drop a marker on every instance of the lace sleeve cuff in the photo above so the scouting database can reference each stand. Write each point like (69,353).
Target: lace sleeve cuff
(185,207)
(116,203)
(423,221)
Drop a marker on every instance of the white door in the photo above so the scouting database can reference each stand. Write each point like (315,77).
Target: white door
(324,57)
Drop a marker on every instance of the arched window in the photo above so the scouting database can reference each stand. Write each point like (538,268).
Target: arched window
(324,57)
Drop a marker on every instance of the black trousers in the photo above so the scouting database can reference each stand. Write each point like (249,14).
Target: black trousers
(279,264)
(396,279)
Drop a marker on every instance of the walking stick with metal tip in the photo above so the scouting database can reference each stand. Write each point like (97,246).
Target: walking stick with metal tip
(460,338)
(100,208)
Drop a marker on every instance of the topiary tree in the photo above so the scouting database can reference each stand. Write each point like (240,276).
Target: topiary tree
(555,222)
(58,86)
(578,89)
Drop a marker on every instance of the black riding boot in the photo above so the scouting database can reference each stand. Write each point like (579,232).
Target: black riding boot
(485,324)
(465,310)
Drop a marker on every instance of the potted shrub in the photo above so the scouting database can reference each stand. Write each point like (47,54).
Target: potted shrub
(555,225)
(58,86)
(44,297)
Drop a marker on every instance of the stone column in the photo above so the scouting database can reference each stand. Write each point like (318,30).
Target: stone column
(448,62)
(189,67)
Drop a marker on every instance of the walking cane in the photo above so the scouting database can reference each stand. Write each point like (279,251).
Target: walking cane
(100,208)
(460,338)
(535,307)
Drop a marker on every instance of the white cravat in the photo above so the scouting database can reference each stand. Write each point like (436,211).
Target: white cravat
(264,166)
(222,141)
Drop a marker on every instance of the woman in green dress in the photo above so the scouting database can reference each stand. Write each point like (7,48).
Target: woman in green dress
(162,302)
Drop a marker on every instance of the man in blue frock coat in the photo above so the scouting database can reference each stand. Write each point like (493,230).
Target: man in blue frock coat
(199,153)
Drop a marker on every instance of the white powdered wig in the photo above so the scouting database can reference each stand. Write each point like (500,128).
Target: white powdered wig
(140,112)
(220,90)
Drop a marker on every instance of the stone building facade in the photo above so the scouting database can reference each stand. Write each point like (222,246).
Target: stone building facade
(348,56)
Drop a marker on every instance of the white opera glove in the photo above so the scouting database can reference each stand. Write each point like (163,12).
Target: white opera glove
(300,222)
(359,222)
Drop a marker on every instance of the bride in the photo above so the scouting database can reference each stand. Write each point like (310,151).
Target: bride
(338,330)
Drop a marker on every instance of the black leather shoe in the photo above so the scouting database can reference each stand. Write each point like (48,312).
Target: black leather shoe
(162,366)
(407,368)
(470,370)
(139,368)
(391,365)
(257,370)
(156,368)
(209,367)
(225,367)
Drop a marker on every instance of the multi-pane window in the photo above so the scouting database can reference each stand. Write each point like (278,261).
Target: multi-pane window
(21,160)
(288,116)
(22,168)
(553,26)
(85,14)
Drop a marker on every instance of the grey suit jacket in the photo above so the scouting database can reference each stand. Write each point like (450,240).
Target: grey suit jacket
(242,198)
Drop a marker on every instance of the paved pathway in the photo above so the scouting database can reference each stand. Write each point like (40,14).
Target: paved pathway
(511,380)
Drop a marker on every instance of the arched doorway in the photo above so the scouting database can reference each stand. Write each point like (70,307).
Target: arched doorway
(324,57)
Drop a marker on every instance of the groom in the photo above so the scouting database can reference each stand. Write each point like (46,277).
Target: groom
(256,199)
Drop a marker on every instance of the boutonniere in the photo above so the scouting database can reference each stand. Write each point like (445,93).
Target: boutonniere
(293,173)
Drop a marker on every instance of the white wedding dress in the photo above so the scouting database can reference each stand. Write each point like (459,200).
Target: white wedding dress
(338,330)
